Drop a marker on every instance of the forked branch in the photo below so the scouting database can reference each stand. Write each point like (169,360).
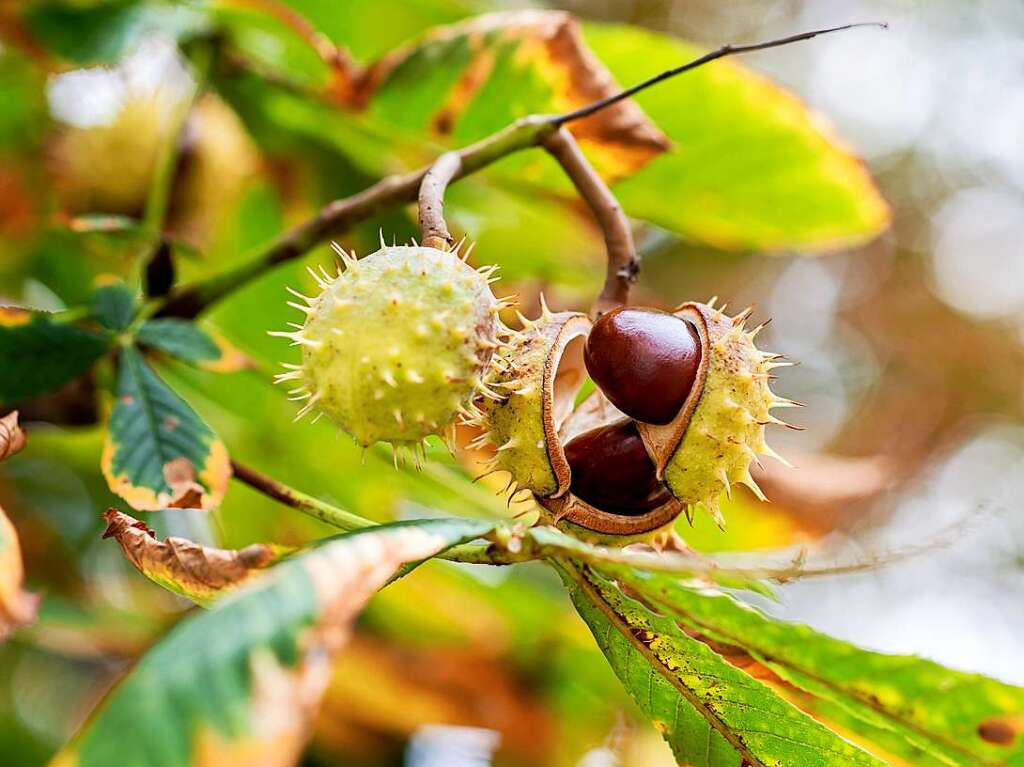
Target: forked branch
(623,264)
(433,228)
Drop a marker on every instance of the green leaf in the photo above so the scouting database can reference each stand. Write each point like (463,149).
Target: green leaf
(179,338)
(159,453)
(914,708)
(113,305)
(240,684)
(752,167)
(711,713)
(106,31)
(41,353)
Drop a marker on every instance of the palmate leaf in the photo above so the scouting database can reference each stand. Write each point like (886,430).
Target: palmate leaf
(914,708)
(41,353)
(200,573)
(711,713)
(159,453)
(240,684)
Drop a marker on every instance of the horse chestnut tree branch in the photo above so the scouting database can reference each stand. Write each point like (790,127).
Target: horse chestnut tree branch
(342,214)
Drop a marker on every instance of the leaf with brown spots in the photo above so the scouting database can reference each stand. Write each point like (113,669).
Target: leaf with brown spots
(999,731)
(470,79)
(909,707)
(710,712)
(200,573)
(159,453)
(240,684)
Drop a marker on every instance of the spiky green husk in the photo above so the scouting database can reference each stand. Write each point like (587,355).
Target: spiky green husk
(726,430)
(521,424)
(396,345)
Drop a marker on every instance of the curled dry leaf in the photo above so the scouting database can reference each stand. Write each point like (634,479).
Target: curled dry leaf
(200,573)
(17,606)
(12,438)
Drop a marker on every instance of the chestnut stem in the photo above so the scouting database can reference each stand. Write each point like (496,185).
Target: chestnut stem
(433,228)
(499,552)
(307,504)
(718,53)
(471,553)
(339,216)
(623,264)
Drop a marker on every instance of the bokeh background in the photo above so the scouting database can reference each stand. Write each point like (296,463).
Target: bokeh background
(911,352)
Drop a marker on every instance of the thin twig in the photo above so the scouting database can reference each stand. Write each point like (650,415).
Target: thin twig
(719,53)
(482,554)
(307,504)
(623,264)
(433,229)
(510,547)
(342,214)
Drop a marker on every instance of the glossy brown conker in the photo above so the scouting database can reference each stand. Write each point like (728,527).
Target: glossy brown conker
(612,471)
(644,360)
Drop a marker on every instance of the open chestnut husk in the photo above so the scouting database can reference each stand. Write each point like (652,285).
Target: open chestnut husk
(608,471)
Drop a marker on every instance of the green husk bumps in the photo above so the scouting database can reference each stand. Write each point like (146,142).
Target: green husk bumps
(524,424)
(396,345)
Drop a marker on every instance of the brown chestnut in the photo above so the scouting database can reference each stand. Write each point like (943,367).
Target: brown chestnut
(612,471)
(644,360)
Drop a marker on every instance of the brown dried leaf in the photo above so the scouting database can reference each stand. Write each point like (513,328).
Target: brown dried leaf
(12,437)
(17,606)
(197,572)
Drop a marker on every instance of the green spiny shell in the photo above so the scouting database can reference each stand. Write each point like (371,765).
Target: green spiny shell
(523,425)
(723,421)
(395,346)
